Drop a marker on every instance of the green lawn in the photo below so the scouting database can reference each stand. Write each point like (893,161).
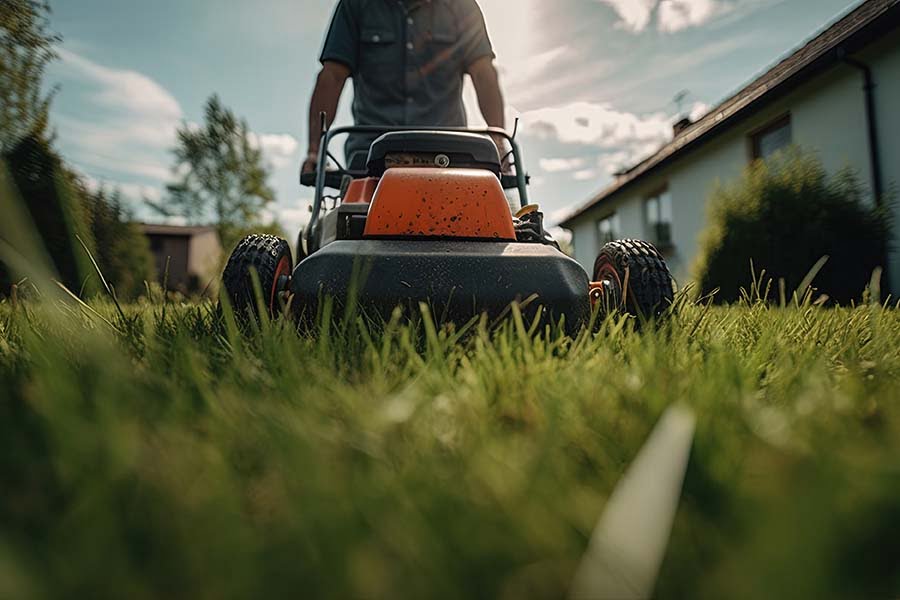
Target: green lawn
(158,455)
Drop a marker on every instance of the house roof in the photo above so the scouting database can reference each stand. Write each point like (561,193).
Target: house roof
(174,230)
(861,26)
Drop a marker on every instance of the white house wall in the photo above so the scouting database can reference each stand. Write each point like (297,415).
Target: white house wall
(827,116)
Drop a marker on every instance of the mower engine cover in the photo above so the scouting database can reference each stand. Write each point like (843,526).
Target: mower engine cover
(439,203)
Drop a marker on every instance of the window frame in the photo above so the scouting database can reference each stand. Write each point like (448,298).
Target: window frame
(756,135)
(613,219)
(652,228)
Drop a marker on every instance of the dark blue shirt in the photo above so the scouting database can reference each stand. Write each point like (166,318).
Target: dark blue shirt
(407,59)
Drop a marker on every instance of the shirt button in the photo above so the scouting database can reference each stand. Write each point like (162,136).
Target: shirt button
(376,38)
(409,21)
(409,46)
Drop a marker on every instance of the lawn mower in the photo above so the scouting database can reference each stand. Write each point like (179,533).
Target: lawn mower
(426,220)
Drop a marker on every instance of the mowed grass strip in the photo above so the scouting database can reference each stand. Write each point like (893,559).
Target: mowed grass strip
(156,453)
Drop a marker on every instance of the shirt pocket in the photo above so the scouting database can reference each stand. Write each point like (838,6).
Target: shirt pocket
(378,36)
(378,51)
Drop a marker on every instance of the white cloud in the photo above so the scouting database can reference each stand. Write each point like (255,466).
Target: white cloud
(585,175)
(124,128)
(675,15)
(134,193)
(278,148)
(597,125)
(294,219)
(563,236)
(634,14)
(698,111)
(130,122)
(555,165)
(670,15)
(560,214)
(138,192)
(102,147)
(614,162)
(126,90)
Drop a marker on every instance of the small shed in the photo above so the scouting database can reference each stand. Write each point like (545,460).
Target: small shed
(194,256)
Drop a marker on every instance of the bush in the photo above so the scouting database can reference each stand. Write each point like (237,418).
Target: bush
(784,215)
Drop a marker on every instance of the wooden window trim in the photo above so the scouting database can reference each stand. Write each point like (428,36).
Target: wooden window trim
(756,135)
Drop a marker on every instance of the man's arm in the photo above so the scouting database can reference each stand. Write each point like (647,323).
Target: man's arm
(326,95)
(487,87)
(490,98)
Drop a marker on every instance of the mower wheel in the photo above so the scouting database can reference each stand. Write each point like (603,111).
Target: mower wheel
(636,274)
(270,257)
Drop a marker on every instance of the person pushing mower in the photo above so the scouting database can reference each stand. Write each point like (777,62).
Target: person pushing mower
(407,59)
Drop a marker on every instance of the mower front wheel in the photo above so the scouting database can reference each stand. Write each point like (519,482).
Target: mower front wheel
(270,258)
(636,277)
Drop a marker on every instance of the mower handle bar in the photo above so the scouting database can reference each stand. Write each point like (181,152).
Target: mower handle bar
(334,178)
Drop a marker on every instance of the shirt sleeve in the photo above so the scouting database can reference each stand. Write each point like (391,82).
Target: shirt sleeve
(475,42)
(342,42)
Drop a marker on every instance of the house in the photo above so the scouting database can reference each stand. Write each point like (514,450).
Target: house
(838,95)
(193,254)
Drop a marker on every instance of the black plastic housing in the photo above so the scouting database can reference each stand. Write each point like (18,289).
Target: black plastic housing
(464,149)
(457,279)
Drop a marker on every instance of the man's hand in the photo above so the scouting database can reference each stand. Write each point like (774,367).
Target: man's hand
(504,151)
(310,163)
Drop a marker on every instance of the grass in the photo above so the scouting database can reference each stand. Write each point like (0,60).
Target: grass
(154,453)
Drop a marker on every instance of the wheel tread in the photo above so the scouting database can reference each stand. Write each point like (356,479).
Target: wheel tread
(650,284)
(261,252)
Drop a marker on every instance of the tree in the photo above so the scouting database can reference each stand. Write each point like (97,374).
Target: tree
(26,47)
(122,251)
(50,193)
(221,174)
(784,215)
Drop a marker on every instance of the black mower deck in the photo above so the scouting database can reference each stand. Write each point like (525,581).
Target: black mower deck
(458,279)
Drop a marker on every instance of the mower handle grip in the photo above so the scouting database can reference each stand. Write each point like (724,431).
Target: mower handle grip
(334,180)
(511,182)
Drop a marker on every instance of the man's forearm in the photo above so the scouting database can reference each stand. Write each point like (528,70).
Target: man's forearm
(325,98)
(491,104)
(490,101)
(490,98)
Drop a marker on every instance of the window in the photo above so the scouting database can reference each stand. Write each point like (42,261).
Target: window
(608,229)
(772,138)
(658,214)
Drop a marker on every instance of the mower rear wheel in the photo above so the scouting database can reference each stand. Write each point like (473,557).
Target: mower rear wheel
(637,276)
(270,257)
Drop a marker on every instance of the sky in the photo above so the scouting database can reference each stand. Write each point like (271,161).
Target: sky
(593,82)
